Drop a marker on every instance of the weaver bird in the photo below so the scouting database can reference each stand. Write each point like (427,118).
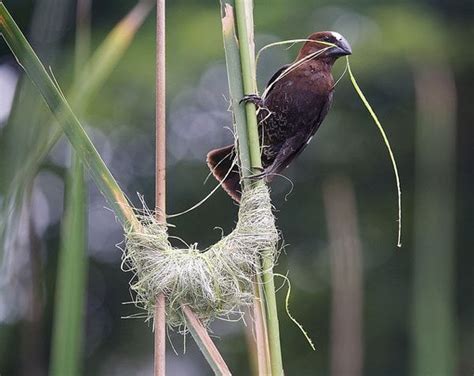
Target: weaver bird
(293,106)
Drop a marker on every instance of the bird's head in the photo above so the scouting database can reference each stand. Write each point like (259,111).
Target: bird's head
(330,44)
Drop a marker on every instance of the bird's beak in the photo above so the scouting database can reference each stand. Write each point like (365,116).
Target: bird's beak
(342,48)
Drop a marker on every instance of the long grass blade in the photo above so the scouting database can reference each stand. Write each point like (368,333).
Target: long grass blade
(88,80)
(58,105)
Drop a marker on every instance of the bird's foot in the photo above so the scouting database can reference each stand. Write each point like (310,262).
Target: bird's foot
(258,175)
(252,98)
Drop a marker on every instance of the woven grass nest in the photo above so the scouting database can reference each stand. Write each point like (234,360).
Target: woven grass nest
(215,282)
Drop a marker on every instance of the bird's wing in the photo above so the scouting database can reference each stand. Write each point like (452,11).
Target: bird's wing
(262,115)
(275,76)
(326,105)
(296,144)
(277,73)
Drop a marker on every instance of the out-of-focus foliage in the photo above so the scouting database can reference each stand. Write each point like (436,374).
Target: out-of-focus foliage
(392,42)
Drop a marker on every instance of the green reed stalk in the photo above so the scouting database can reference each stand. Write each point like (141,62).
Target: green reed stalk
(249,147)
(234,74)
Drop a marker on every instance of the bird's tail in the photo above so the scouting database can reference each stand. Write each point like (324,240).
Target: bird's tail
(221,163)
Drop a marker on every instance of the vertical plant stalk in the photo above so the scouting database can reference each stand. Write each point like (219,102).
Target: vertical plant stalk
(88,154)
(71,285)
(244,17)
(160,178)
(261,330)
(434,317)
(68,327)
(198,331)
(234,73)
(347,348)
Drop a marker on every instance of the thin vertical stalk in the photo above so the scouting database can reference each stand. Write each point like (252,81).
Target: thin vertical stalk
(160,178)
(234,73)
(244,12)
(198,331)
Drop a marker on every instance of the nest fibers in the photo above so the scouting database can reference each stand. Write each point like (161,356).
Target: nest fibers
(214,282)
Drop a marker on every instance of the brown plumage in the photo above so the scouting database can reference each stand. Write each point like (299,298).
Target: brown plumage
(293,106)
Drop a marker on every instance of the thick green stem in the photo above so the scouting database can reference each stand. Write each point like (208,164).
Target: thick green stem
(236,89)
(244,16)
(244,19)
(240,58)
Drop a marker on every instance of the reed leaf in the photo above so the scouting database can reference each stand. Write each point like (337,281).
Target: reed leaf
(89,79)
(59,106)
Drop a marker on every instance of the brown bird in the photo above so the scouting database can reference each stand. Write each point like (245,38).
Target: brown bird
(293,106)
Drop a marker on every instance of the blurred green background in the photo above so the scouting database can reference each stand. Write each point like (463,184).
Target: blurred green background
(371,308)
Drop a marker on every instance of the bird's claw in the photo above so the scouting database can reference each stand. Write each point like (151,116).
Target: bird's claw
(252,98)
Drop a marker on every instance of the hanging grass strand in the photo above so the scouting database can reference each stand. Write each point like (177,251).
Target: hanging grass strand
(387,144)
(364,101)
(287,308)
